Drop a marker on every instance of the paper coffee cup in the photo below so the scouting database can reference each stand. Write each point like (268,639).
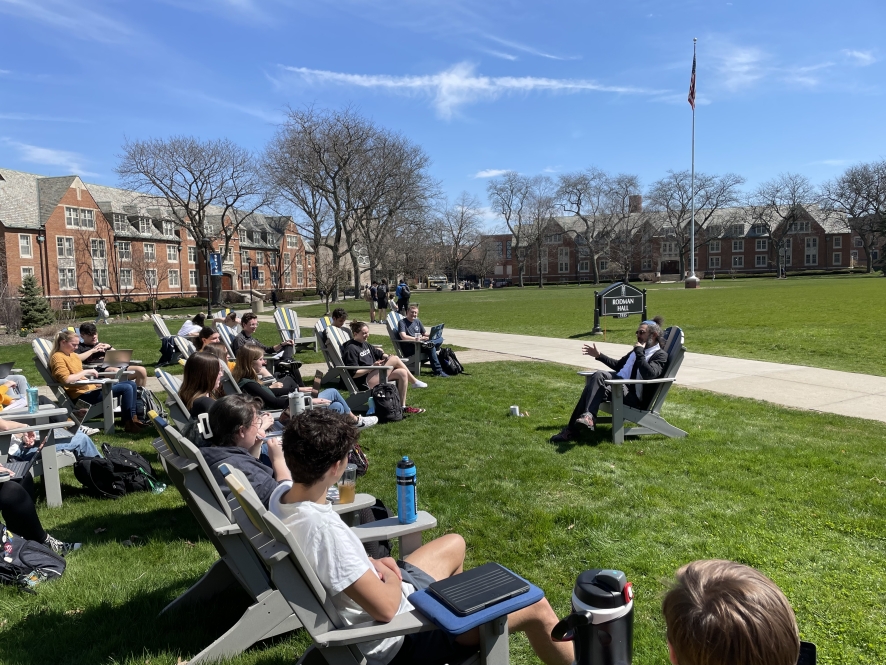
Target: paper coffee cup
(515,410)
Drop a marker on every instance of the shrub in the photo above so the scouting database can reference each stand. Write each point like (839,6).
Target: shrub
(36,311)
(309,292)
(88,310)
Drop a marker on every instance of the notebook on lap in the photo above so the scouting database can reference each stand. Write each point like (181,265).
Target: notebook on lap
(478,588)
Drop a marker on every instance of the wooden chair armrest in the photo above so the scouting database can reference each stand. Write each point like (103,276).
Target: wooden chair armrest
(114,375)
(15,371)
(39,428)
(402,624)
(638,382)
(43,413)
(360,502)
(388,367)
(391,528)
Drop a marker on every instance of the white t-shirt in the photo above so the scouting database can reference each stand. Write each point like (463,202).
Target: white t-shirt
(338,559)
(189,328)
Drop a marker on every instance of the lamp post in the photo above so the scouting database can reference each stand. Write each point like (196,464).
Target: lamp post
(249,274)
(207,248)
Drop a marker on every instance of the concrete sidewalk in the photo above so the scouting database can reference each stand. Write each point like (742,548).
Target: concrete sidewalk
(825,390)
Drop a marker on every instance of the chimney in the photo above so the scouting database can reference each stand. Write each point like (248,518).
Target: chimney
(635,203)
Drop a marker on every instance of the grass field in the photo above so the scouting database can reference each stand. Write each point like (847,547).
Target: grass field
(796,494)
(830,322)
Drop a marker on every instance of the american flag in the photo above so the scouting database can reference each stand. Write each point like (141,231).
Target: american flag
(691,99)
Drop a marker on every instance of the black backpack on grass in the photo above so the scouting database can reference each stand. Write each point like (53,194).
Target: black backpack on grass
(25,563)
(120,472)
(145,402)
(388,407)
(449,362)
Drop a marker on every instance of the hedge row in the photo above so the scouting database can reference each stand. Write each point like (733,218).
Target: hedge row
(88,309)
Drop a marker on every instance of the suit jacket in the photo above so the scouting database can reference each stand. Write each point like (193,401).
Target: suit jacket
(645,369)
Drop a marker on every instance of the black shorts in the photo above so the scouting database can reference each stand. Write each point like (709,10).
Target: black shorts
(431,647)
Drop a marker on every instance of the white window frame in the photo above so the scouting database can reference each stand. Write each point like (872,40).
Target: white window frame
(126,278)
(838,242)
(760,261)
(603,265)
(151,277)
(100,278)
(259,258)
(121,224)
(299,276)
(810,256)
(245,277)
(738,261)
(584,266)
(79,218)
(738,245)
(168,228)
(261,278)
(124,250)
(287,278)
(172,278)
(799,227)
(837,258)
(192,278)
(144,225)
(714,247)
(27,270)
(241,235)
(192,255)
(150,250)
(172,253)
(98,248)
(67,279)
(64,247)
(244,256)
(713,262)
(25,247)
(762,245)
(563,260)
(291,242)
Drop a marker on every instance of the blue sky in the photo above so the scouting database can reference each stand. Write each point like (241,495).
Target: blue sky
(482,86)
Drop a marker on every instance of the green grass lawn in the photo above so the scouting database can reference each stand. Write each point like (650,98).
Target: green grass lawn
(798,495)
(832,322)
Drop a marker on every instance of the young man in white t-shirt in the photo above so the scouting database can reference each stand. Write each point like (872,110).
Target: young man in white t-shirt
(316,446)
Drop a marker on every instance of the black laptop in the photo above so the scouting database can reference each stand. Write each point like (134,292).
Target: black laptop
(22,469)
(478,588)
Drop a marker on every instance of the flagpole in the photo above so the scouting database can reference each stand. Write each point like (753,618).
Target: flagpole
(692,280)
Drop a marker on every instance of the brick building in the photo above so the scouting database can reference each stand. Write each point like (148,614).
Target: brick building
(729,244)
(84,241)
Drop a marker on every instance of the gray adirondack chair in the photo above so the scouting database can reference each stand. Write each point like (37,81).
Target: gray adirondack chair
(286,319)
(649,420)
(160,326)
(357,398)
(177,410)
(51,459)
(331,377)
(334,643)
(403,347)
(103,410)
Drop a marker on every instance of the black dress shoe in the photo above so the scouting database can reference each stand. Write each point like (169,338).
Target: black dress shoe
(564,436)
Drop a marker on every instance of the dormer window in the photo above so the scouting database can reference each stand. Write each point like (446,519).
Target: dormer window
(144,225)
(121,224)
(168,228)
(242,234)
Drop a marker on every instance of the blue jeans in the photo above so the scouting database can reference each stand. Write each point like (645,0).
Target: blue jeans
(432,356)
(81,444)
(337,402)
(125,390)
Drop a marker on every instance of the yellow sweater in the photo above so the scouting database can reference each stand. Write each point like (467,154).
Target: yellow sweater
(62,366)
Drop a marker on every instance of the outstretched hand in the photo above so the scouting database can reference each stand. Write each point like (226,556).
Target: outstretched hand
(590,350)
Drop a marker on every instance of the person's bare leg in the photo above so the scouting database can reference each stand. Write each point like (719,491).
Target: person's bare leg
(441,558)
(399,377)
(394,361)
(141,375)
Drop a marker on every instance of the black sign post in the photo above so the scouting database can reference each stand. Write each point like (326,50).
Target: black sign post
(618,300)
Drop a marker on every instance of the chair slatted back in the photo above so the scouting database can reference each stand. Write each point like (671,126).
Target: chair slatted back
(286,319)
(293,575)
(673,346)
(184,346)
(338,336)
(334,339)
(42,351)
(228,382)
(227,338)
(392,321)
(323,323)
(177,409)
(160,326)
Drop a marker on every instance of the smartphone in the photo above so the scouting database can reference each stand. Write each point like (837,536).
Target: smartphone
(807,654)
(5,475)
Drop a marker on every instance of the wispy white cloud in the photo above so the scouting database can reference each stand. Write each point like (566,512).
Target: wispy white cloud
(551,169)
(70,162)
(459,85)
(5,71)
(739,66)
(500,54)
(830,162)
(490,173)
(265,115)
(861,58)
(517,46)
(77,20)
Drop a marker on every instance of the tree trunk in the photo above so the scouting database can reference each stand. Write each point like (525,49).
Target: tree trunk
(522,266)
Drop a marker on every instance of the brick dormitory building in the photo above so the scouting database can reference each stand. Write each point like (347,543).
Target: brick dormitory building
(728,244)
(83,241)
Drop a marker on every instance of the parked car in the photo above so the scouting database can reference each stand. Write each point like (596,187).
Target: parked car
(501,283)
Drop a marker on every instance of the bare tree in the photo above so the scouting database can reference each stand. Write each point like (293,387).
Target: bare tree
(209,187)
(538,213)
(860,193)
(148,273)
(776,205)
(672,198)
(458,228)
(328,273)
(585,194)
(485,257)
(508,197)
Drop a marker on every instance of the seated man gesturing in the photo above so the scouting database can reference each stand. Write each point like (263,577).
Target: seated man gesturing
(316,446)
(645,361)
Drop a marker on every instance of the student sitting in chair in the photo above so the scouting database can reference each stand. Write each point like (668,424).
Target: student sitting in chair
(411,329)
(725,613)
(316,446)
(92,352)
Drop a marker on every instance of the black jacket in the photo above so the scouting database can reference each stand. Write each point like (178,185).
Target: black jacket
(645,369)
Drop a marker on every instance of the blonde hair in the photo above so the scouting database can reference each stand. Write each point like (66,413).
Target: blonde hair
(246,356)
(63,335)
(726,613)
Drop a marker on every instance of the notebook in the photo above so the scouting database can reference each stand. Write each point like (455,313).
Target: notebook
(478,588)
(436,332)
(117,357)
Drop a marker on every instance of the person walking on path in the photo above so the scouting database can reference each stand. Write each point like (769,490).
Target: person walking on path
(403,295)
(101,311)
(274,298)
(382,293)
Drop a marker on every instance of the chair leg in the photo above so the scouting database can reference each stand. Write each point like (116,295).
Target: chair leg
(214,581)
(49,460)
(108,407)
(409,543)
(618,423)
(494,642)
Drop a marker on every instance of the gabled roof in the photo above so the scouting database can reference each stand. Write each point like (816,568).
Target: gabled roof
(49,192)
(18,199)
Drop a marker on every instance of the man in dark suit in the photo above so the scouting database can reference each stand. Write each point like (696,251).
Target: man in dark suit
(645,361)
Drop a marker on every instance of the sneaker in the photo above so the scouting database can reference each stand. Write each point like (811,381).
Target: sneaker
(59,547)
(412,409)
(419,384)
(89,431)
(366,421)
(442,375)
(587,420)
(564,436)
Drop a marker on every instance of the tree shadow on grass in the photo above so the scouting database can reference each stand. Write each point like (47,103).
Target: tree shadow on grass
(173,523)
(133,630)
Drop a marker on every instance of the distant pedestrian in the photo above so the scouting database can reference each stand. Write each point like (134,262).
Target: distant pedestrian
(101,311)
(403,295)
(382,293)
(274,298)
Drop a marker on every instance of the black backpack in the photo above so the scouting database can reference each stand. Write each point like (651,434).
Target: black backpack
(450,362)
(387,403)
(145,402)
(120,472)
(25,563)
(169,355)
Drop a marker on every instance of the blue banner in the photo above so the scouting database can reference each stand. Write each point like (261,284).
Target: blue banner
(215,264)
(255,273)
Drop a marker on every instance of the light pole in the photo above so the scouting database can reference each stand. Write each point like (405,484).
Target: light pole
(207,248)
(249,274)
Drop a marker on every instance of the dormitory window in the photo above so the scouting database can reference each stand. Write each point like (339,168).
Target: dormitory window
(124,250)
(67,279)
(65,247)
(24,247)
(79,218)
(192,278)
